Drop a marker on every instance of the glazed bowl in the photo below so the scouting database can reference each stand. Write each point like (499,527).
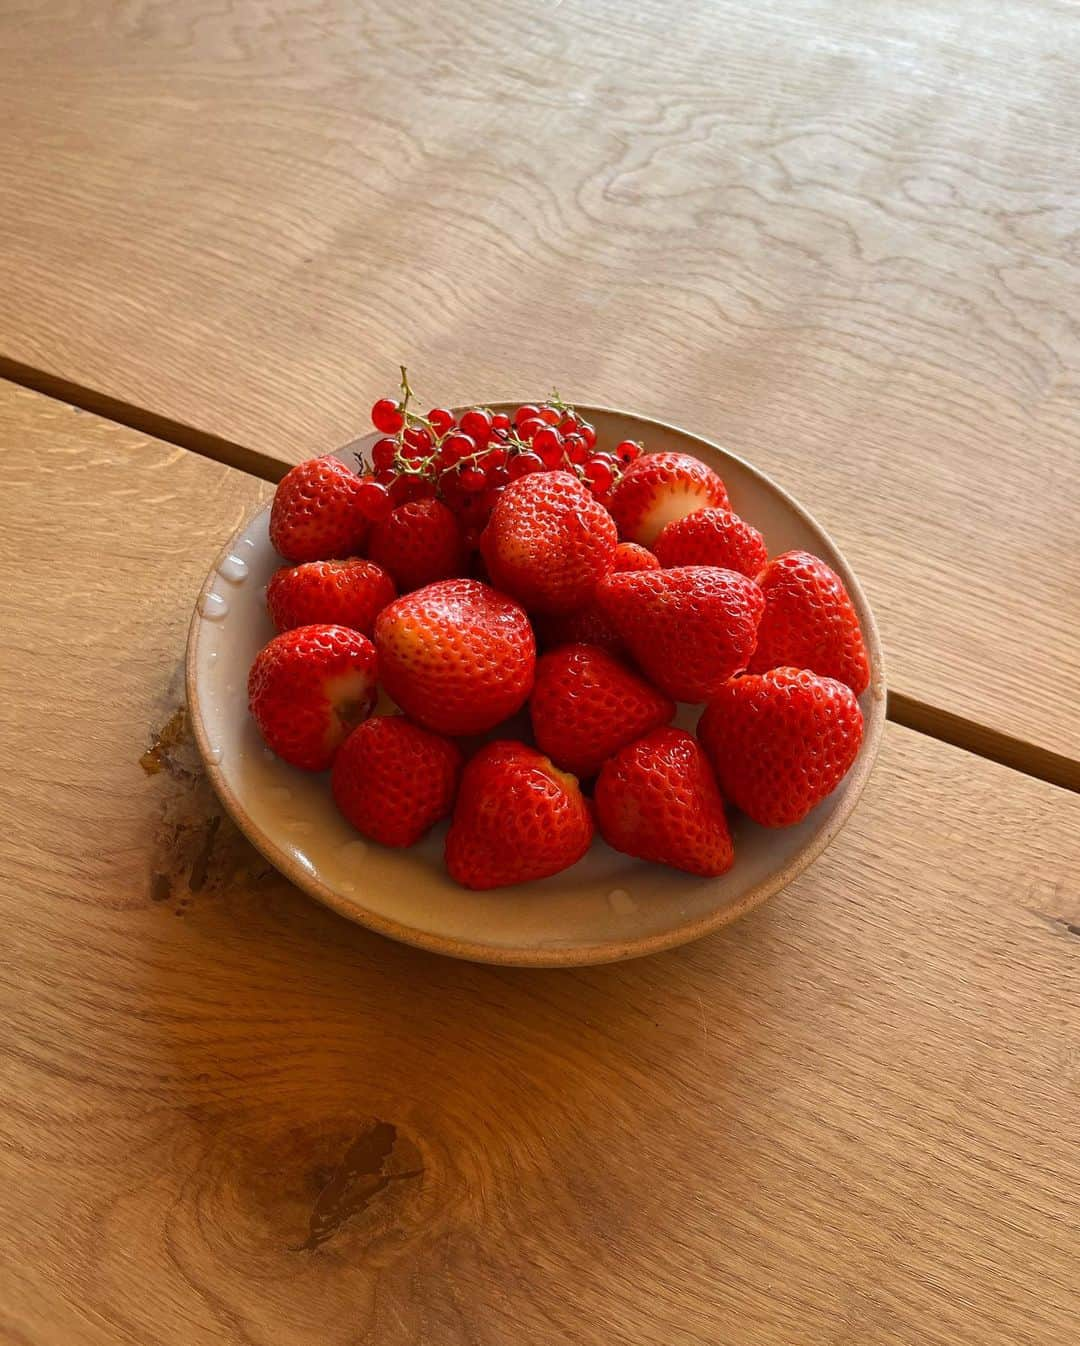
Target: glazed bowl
(608,906)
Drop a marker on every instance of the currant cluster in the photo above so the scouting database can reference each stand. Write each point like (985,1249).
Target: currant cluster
(467,460)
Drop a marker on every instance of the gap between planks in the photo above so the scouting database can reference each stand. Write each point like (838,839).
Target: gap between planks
(145,422)
(957,730)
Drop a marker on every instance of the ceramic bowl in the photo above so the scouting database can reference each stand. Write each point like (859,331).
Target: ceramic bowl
(608,906)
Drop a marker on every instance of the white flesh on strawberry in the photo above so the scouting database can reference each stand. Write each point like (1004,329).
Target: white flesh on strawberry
(351,696)
(674,500)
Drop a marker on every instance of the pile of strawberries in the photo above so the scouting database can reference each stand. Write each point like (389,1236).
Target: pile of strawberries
(466,542)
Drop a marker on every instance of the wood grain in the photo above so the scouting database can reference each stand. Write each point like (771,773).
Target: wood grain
(228,1116)
(839,238)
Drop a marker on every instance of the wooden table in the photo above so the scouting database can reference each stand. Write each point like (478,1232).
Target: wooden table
(840,239)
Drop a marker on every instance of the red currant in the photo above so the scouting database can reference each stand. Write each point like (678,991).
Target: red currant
(417,439)
(386,475)
(409,488)
(386,416)
(500,421)
(526,429)
(578,451)
(441,420)
(457,445)
(550,415)
(373,500)
(627,451)
(477,423)
(522,464)
(450,488)
(472,479)
(587,433)
(491,497)
(497,476)
(599,473)
(383,452)
(548,443)
(526,413)
(495,458)
(569,424)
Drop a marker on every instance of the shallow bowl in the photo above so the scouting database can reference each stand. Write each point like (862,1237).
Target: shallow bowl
(608,906)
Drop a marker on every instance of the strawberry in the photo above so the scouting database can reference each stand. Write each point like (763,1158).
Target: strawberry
(658,488)
(308,688)
(586,705)
(456,656)
(781,741)
(588,625)
(631,556)
(689,628)
(548,542)
(517,817)
(657,799)
(345,593)
(393,780)
(418,543)
(809,622)
(712,537)
(316,512)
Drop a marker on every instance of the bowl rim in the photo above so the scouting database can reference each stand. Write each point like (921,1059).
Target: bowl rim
(608,951)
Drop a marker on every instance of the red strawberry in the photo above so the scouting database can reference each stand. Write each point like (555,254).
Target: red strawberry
(456,656)
(586,705)
(517,817)
(781,741)
(690,628)
(658,488)
(308,688)
(712,537)
(548,542)
(393,780)
(809,622)
(588,625)
(418,543)
(346,593)
(657,799)
(629,556)
(316,514)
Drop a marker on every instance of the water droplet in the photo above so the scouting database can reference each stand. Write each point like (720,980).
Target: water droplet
(619,900)
(214,755)
(234,569)
(213,607)
(248,543)
(353,852)
(212,656)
